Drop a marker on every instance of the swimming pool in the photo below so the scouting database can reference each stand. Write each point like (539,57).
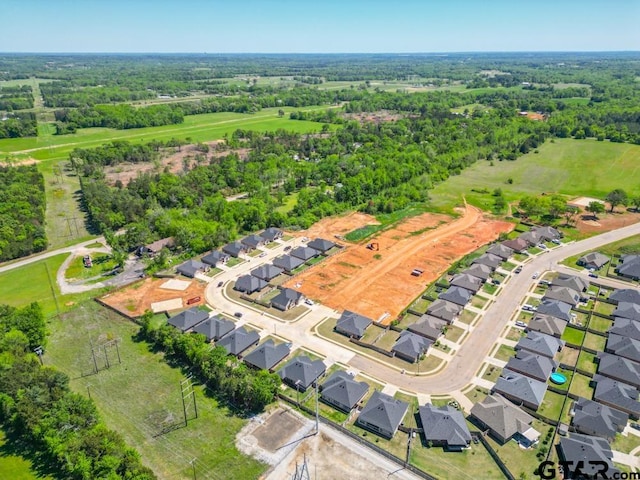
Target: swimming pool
(558,378)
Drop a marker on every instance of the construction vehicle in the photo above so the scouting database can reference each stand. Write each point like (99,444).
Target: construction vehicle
(373,246)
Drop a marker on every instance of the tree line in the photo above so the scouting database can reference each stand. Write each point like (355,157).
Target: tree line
(22,212)
(37,407)
(16,98)
(18,124)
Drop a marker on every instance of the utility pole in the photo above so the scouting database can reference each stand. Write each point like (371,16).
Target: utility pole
(93,354)
(193,466)
(317,412)
(53,291)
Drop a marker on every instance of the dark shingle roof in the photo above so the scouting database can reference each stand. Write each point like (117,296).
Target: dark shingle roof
(266,272)
(521,388)
(445,310)
(468,282)
(625,327)
(619,368)
(630,266)
(618,394)
(478,270)
(286,296)
(428,326)
(302,371)
(555,308)
(188,319)
(531,365)
(191,267)
(267,355)
(563,294)
(411,345)
(238,341)
(384,412)
(627,310)
(321,244)
(271,233)
(593,260)
(500,250)
(517,244)
(541,344)
(547,324)
(585,449)
(444,424)
(547,233)
(340,388)
(627,295)
(287,262)
(489,260)
(531,237)
(249,284)
(501,416)
(215,328)
(575,283)
(594,418)
(457,295)
(351,323)
(305,253)
(253,241)
(234,248)
(215,257)
(624,347)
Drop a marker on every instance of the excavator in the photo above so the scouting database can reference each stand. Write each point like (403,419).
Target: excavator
(373,246)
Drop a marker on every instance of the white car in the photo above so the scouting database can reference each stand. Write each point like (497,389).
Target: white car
(308,301)
(263,254)
(535,275)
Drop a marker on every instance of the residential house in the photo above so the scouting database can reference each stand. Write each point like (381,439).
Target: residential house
(478,270)
(447,311)
(152,249)
(235,249)
(531,237)
(491,261)
(505,421)
(216,258)
(520,389)
(271,234)
(249,284)
(352,324)
(571,281)
(187,319)
(547,233)
(191,267)
(457,295)
(301,372)
(286,299)
(382,414)
(625,327)
(341,391)
(555,308)
(593,418)
(410,346)
(267,355)
(623,347)
(238,341)
(625,295)
(617,394)
(627,310)
(595,260)
(563,294)
(583,450)
(619,368)
(547,324)
(253,241)
(444,427)
(429,327)
(214,328)
(540,344)
(630,267)
(287,262)
(532,365)
(518,245)
(468,282)
(321,245)
(304,253)
(500,250)
(267,272)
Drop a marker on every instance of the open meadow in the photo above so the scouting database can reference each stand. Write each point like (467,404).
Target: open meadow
(570,167)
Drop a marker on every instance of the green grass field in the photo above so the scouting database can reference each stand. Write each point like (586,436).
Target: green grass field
(141,396)
(567,166)
(16,466)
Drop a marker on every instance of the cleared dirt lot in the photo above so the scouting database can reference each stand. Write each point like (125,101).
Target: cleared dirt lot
(379,284)
(329,227)
(137,298)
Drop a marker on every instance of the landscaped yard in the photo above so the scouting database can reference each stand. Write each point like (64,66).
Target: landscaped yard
(551,406)
(102,263)
(515,334)
(505,353)
(479,301)
(605,308)
(467,316)
(586,362)
(473,463)
(492,373)
(387,340)
(567,373)
(157,406)
(420,305)
(595,342)
(477,394)
(568,356)
(489,288)
(573,335)
(600,324)
(580,386)
(453,333)
(232,262)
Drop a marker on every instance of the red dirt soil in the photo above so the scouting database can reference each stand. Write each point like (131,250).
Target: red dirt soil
(135,299)
(331,226)
(379,284)
(606,221)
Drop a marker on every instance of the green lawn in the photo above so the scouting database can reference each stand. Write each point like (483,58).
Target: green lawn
(288,203)
(600,324)
(473,463)
(551,406)
(386,220)
(453,333)
(568,356)
(558,167)
(586,362)
(605,308)
(580,386)
(595,342)
(102,263)
(153,401)
(573,335)
(467,317)
(492,373)
(16,464)
(505,353)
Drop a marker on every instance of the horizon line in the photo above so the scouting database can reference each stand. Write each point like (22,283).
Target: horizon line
(441,53)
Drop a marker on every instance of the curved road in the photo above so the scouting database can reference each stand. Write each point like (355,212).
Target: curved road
(460,371)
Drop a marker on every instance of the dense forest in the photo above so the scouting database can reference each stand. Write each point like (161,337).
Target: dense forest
(16,98)
(22,212)
(38,408)
(18,124)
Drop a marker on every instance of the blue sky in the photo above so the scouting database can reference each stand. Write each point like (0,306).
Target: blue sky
(292,26)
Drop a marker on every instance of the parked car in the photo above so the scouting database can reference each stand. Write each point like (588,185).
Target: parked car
(593,275)
(263,254)
(535,275)
(520,324)
(220,284)
(556,241)
(308,301)
(542,246)
(238,314)
(518,270)
(529,308)
(287,248)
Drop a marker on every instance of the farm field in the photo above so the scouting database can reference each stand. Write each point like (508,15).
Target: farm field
(560,166)
(379,284)
(140,398)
